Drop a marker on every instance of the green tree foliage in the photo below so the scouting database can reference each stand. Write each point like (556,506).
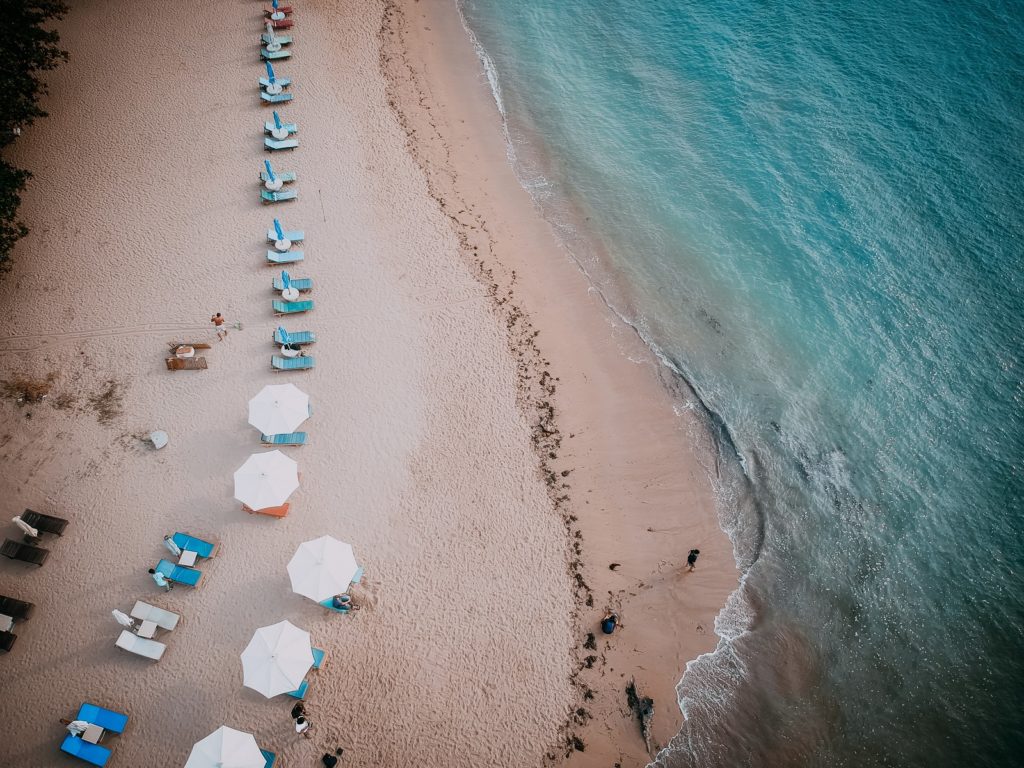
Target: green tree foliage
(26,51)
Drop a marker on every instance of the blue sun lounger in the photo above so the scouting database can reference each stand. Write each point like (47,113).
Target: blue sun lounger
(273,145)
(106,719)
(278,197)
(180,573)
(286,177)
(291,307)
(282,39)
(266,55)
(284,82)
(300,692)
(94,754)
(288,257)
(270,757)
(292,438)
(276,98)
(319,654)
(292,363)
(296,337)
(302,284)
(193,544)
(295,235)
(270,128)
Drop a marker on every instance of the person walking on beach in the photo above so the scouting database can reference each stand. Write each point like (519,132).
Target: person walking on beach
(160,579)
(172,545)
(303,726)
(218,323)
(691,560)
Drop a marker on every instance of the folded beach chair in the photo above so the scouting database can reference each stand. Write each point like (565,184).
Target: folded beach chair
(296,337)
(300,692)
(301,284)
(106,719)
(281,511)
(85,750)
(291,307)
(48,523)
(270,757)
(192,543)
(292,363)
(7,641)
(180,573)
(16,609)
(295,235)
(27,553)
(276,98)
(266,55)
(186,363)
(319,656)
(286,176)
(273,145)
(278,197)
(163,619)
(288,257)
(292,438)
(140,646)
(291,128)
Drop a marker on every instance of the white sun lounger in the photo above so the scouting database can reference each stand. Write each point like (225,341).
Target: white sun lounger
(160,617)
(290,127)
(140,646)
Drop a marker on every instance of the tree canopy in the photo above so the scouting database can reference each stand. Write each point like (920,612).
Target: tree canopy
(27,50)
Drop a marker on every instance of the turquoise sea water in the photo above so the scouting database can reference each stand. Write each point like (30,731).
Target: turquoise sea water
(815,213)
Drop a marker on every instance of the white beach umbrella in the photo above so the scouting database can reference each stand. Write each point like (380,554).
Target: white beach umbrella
(277,659)
(279,408)
(27,529)
(266,480)
(322,568)
(226,748)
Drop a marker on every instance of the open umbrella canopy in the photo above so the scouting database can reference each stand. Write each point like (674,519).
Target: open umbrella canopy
(322,568)
(277,659)
(266,480)
(279,409)
(226,748)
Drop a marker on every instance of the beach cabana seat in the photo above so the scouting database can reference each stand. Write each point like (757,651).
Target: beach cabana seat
(295,235)
(296,337)
(281,511)
(107,719)
(289,257)
(186,363)
(291,307)
(180,573)
(47,523)
(301,284)
(16,609)
(192,543)
(7,640)
(93,754)
(291,128)
(163,619)
(151,649)
(276,98)
(279,363)
(278,197)
(270,757)
(300,692)
(292,438)
(319,657)
(27,553)
(273,145)
(266,55)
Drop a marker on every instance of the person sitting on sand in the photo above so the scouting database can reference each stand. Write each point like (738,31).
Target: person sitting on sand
(75,727)
(610,622)
(691,559)
(160,579)
(342,602)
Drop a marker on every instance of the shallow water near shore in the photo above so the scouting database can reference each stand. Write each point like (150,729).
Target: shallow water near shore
(813,214)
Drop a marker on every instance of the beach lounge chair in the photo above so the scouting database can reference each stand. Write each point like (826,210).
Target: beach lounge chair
(267,55)
(284,82)
(278,197)
(7,641)
(273,145)
(266,39)
(285,176)
(289,257)
(192,543)
(300,692)
(186,363)
(16,609)
(194,344)
(47,523)
(296,337)
(269,127)
(301,284)
(180,573)
(27,553)
(85,750)
(140,646)
(285,9)
(163,619)
(292,363)
(292,438)
(295,235)
(281,511)
(106,719)
(282,23)
(319,657)
(291,307)
(270,757)
(276,98)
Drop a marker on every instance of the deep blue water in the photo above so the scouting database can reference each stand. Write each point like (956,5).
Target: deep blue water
(815,213)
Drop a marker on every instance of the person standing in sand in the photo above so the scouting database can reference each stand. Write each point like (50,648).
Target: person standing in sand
(218,323)
(691,560)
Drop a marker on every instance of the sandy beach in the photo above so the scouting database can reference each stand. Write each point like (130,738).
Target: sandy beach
(485,433)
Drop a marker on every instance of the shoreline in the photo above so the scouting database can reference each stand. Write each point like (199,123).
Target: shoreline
(455,130)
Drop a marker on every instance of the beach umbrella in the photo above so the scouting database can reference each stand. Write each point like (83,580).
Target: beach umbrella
(277,659)
(273,183)
(282,243)
(275,87)
(266,480)
(283,334)
(27,529)
(278,409)
(322,568)
(286,280)
(123,619)
(278,229)
(226,748)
